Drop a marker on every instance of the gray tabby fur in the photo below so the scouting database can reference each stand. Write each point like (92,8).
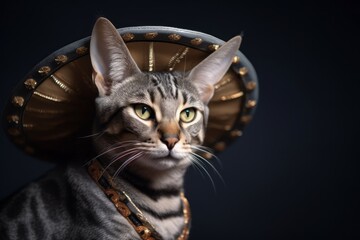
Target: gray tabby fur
(148,158)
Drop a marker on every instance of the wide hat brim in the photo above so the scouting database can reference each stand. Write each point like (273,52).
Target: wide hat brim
(52,109)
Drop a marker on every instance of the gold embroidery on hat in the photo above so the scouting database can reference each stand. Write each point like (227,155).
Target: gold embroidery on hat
(54,99)
(44,111)
(28,125)
(232,96)
(222,83)
(61,84)
(177,58)
(151,57)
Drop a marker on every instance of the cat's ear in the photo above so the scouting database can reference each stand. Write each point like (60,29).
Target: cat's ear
(208,72)
(110,58)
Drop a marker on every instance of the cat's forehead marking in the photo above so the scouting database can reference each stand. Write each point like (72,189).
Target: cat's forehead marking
(166,84)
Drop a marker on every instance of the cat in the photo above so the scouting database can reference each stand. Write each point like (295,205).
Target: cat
(148,126)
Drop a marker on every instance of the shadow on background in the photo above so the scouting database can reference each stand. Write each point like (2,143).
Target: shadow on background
(295,172)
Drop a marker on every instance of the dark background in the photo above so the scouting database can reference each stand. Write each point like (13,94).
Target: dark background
(295,172)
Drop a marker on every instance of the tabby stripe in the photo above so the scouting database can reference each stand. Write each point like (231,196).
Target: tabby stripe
(175,82)
(155,81)
(174,87)
(154,194)
(171,214)
(185,97)
(161,92)
(152,95)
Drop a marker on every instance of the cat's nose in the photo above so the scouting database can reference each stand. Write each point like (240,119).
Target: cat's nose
(170,140)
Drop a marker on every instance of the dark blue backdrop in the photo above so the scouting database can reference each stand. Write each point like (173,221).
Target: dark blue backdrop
(294,173)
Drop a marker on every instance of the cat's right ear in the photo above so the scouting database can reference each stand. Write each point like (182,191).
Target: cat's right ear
(110,58)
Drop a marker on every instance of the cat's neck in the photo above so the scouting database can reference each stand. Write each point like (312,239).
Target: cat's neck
(156,179)
(152,182)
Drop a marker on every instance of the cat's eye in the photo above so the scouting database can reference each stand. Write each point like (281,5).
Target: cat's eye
(187,115)
(144,111)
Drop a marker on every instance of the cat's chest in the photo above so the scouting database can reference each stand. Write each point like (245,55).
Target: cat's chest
(165,214)
(143,207)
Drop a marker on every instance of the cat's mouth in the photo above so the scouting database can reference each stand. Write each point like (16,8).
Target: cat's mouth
(172,155)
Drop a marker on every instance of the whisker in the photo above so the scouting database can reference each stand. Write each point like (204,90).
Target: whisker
(197,169)
(121,155)
(112,148)
(117,146)
(91,135)
(126,163)
(196,161)
(213,168)
(209,151)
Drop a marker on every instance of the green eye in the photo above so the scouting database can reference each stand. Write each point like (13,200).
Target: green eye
(187,115)
(143,111)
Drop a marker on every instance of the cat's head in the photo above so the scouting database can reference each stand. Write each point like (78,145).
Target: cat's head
(150,119)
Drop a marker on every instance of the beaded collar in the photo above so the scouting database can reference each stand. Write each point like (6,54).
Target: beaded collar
(126,207)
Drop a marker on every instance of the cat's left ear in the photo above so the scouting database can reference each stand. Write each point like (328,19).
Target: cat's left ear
(211,70)
(110,58)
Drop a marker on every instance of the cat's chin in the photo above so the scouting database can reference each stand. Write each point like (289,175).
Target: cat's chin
(165,163)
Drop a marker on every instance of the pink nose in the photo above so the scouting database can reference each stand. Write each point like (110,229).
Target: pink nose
(170,140)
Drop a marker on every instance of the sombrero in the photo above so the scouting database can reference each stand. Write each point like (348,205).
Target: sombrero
(51,110)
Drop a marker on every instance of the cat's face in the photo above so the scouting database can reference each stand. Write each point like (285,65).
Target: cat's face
(149,119)
(157,116)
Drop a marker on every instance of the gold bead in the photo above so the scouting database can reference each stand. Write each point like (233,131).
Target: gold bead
(220,146)
(128,36)
(236,59)
(30,83)
(18,101)
(236,133)
(251,86)
(61,59)
(174,37)
(243,71)
(213,47)
(151,35)
(13,119)
(44,70)
(196,41)
(251,103)
(81,50)
(227,127)
(245,119)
